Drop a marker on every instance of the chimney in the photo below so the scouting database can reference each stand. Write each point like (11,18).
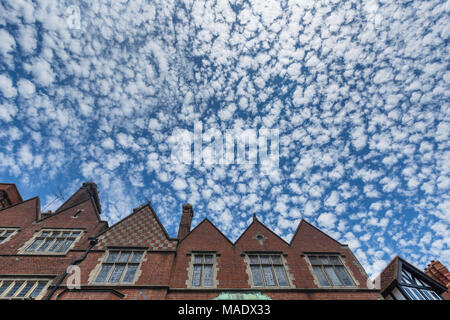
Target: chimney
(185,222)
(9,195)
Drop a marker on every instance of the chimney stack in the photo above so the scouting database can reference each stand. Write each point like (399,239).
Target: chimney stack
(185,222)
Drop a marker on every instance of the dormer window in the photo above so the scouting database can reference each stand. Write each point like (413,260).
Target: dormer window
(4,200)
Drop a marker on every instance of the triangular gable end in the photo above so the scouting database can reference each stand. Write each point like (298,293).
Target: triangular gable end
(257,227)
(204,223)
(25,212)
(140,229)
(307,231)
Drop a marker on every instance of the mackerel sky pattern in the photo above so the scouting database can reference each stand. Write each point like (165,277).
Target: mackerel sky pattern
(359,91)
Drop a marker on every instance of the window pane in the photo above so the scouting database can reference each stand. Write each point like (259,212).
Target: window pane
(314,260)
(112,256)
(410,294)
(75,233)
(4,286)
(426,295)
(208,259)
(324,260)
(281,276)
(435,295)
(256,274)
(38,289)
(24,291)
(55,245)
(129,275)
(124,256)
(65,246)
(332,276)
(197,275)
(344,275)
(45,234)
(254,259)
(265,259)
(137,257)
(46,244)
(14,289)
(320,276)
(207,278)
(268,275)
(2,239)
(117,273)
(335,260)
(198,259)
(276,260)
(65,234)
(7,234)
(34,245)
(103,273)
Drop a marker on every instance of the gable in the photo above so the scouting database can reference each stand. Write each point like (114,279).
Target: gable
(309,238)
(205,235)
(140,229)
(21,214)
(258,237)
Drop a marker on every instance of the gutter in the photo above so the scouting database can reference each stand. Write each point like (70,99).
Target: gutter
(75,262)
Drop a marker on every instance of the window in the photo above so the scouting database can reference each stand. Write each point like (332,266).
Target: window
(23,288)
(4,200)
(417,289)
(6,234)
(268,271)
(53,241)
(330,271)
(202,271)
(120,266)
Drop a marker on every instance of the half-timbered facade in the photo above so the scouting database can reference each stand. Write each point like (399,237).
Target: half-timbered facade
(400,280)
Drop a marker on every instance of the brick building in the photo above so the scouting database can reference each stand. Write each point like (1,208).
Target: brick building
(136,258)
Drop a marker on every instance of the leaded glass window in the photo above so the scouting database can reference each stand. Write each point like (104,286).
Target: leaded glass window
(203,268)
(120,266)
(330,271)
(53,241)
(22,288)
(268,271)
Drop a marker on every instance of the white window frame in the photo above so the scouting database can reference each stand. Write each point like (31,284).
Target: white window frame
(23,283)
(3,231)
(42,235)
(105,261)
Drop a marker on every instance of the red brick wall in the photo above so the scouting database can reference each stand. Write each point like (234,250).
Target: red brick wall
(164,272)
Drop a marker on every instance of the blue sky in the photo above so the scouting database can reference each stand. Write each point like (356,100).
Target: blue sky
(359,91)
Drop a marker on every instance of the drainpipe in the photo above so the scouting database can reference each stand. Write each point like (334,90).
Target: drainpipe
(75,262)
